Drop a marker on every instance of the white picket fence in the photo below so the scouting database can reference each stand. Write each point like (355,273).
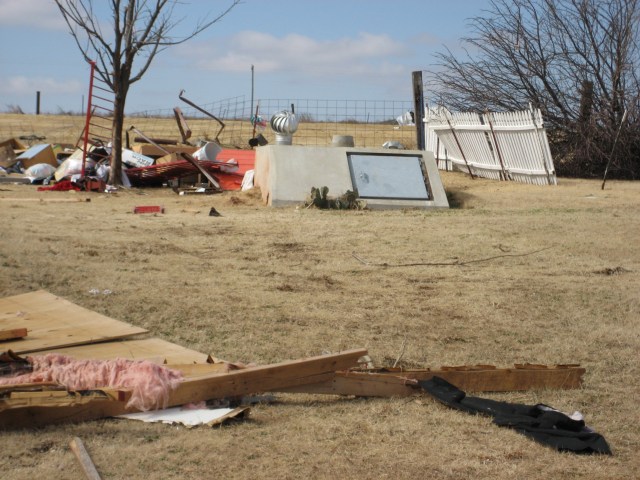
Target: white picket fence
(501,146)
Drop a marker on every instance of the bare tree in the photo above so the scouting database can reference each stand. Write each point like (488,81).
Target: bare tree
(138,30)
(576,60)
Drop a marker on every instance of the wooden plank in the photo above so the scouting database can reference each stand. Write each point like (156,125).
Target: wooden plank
(361,385)
(193,370)
(49,399)
(263,378)
(30,387)
(204,387)
(472,379)
(153,151)
(83,457)
(13,334)
(153,349)
(54,322)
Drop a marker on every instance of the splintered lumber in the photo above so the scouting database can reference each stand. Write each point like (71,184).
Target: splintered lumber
(214,183)
(13,334)
(51,397)
(485,378)
(194,388)
(89,469)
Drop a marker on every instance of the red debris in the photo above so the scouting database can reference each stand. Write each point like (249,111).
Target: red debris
(148,209)
(62,186)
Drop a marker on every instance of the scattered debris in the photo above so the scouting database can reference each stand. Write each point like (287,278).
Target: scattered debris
(148,385)
(41,153)
(12,364)
(189,417)
(540,422)
(195,190)
(200,109)
(89,469)
(9,149)
(56,383)
(214,213)
(148,209)
(393,144)
(148,163)
(97,291)
(13,333)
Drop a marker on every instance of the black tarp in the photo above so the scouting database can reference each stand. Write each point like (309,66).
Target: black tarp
(543,424)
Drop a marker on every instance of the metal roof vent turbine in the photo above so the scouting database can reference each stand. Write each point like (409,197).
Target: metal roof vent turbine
(284,124)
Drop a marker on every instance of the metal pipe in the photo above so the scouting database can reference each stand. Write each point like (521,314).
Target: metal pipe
(88,118)
(200,109)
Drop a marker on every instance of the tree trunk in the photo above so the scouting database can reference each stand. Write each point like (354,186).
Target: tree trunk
(584,131)
(121,87)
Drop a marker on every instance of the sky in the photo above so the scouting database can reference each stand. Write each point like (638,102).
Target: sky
(306,49)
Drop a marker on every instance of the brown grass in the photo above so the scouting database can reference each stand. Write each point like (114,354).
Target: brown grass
(67,129)
(263,285)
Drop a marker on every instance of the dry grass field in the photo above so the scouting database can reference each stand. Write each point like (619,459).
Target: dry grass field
(67,129)
(557,282)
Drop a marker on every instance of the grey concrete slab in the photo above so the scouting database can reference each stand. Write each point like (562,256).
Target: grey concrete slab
(286,174)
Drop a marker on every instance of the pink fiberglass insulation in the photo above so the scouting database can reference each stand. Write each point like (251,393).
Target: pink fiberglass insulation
(150,384)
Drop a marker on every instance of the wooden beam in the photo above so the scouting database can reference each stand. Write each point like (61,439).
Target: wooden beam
(13,334)
(153,151)
(217,385)
(89,469)
(263,378)
(486,378)
(214,183)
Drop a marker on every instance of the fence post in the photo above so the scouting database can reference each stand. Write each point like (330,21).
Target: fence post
(495,142)
(455,137)
(418,108)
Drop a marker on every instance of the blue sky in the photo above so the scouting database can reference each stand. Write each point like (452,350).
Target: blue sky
(308,49)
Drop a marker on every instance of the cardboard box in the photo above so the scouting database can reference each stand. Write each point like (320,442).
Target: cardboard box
(172,157)
(8,152)
(135,159)
(42,153)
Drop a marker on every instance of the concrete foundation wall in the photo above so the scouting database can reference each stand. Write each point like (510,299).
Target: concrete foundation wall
(286,174)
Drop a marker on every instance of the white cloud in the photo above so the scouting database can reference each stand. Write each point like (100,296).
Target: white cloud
(43,14)
(366,54)
(25,85)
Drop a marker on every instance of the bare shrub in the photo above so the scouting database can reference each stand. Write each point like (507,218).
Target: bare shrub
(576,60)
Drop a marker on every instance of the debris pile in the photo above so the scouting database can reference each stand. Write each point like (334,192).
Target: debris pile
(61,167)
(64,363)
(146,162)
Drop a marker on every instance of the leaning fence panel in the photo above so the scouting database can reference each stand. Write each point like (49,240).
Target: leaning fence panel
(500,146)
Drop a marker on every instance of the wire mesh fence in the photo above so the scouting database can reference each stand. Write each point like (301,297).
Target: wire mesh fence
(371,123)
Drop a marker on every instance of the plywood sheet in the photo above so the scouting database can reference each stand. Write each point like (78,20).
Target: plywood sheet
(153,349)
(53,322)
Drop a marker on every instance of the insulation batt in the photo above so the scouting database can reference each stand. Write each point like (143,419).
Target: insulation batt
(150,384)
